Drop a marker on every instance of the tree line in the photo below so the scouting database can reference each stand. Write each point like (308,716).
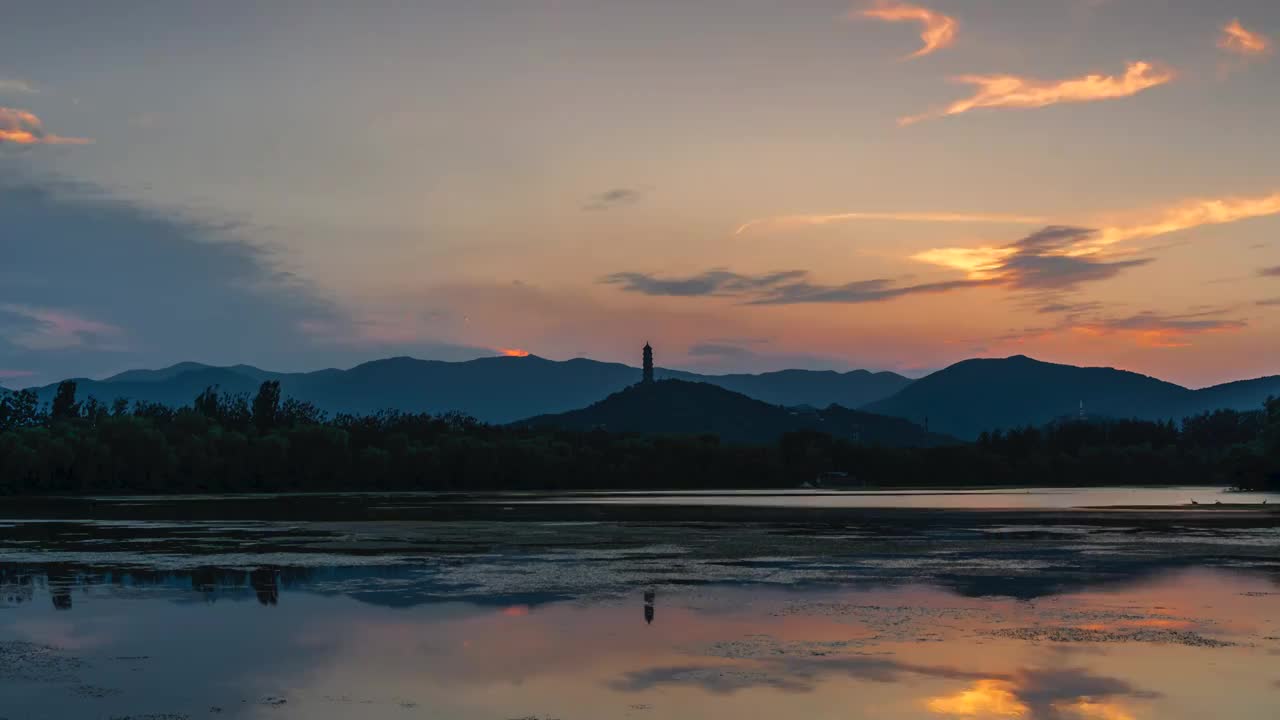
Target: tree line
(268,443)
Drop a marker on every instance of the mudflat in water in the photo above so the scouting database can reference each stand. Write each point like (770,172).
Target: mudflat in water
(1072,615)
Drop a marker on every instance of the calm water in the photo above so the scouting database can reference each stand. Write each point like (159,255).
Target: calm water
(1023,498)
(593,621)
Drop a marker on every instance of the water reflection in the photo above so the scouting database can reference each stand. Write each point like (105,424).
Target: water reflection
(265,585)
(469,621)
(1043,695)
(1188,645)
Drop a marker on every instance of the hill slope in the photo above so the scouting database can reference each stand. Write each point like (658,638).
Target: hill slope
(976,395)
(677,407)
(498,389)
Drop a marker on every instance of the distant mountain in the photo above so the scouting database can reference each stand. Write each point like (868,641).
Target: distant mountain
(1239,395)
(182,368)
(678,407)
(976,395)
(498,389)
(806,387)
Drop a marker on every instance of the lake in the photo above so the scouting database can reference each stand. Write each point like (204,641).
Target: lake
(1024,498)
(1061,616)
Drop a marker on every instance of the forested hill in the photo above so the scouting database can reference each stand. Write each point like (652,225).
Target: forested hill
(974,396)
(498,389)
(677,407)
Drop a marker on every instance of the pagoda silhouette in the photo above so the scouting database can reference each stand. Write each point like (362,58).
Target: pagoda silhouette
(647,377)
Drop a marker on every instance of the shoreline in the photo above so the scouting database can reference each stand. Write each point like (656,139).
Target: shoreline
(512,509)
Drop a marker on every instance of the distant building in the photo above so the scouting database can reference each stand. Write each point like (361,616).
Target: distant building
(648,365)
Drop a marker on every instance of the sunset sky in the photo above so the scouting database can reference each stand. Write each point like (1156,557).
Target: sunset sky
(747,184)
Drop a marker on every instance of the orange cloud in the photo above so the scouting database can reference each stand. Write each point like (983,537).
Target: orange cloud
(981,263)
(513,352)
(926,217)
(1236,39)
(939,30)
(1192,214)
(1011,91)
(22,127)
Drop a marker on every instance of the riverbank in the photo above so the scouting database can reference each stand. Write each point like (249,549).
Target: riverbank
(1011,506)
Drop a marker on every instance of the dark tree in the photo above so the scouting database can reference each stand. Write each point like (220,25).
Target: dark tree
(93,410)
(64,405)
(19,409)
(208,404)
(266,405)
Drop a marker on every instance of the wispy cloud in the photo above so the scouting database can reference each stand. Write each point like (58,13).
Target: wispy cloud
(1192,214)
(1058,306)
(1270,272)
(90,267)
(1270,302)
(923,217)
(1040,261)
(938,32)
(22,127)
(782,288)
(753,356)
(1066,252)
(613,198)
(16,86)
(858,292)
(1147,328)
(1051,260)
(1152,329)
(1043,260)
(711,283)
(1012,91)
(40,328)
(1237,40)
(719,350)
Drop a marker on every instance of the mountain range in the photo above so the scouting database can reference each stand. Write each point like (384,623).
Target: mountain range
(962,400)
(496,390)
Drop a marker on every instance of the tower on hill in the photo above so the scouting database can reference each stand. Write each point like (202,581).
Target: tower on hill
(648,365)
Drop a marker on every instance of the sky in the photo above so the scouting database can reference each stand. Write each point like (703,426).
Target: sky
(748,185)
